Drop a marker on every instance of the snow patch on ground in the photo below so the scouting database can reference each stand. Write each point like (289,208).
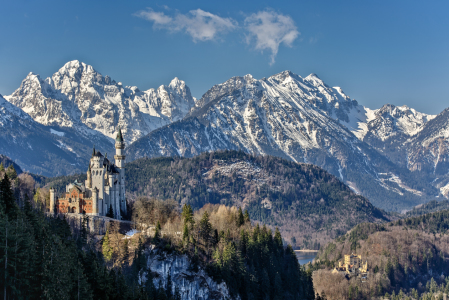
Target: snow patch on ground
(444,189)
(395,179)
(59,133)
(130,233)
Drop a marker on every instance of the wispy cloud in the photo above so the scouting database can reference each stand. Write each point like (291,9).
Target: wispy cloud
(268,29)
(265,30)
(199,24)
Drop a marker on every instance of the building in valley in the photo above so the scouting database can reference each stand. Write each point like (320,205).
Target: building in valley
(352,265)
(103,193)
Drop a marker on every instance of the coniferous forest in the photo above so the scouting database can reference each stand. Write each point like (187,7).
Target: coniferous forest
(42,257)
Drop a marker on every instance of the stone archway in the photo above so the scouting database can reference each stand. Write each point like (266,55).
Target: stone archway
(74,210)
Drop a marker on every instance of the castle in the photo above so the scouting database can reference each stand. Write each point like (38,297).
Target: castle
(353,265)
(103,191)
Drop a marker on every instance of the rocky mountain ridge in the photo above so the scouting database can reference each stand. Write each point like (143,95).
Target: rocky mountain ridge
(45,150)
(395,156)
(79,97)
(304,120)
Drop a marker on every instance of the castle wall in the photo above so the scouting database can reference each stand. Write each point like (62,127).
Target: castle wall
(103,188)
(74,201)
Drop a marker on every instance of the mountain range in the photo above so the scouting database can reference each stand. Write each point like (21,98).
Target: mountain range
(395,156)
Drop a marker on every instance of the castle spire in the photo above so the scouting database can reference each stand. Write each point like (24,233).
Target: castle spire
(119,137)
(93,152)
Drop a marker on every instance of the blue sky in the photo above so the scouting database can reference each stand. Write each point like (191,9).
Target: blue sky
(378,51)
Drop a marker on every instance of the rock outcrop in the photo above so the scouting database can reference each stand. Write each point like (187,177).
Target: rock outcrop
(190,284)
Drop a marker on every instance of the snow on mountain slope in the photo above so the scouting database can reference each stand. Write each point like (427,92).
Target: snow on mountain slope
(78,95)
(287,116)
(392,120)
(8,112)
(40,149)
(429,151)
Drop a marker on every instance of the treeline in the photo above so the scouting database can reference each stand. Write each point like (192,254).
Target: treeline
(406,259)
(251,260)
(429,207)
(6,162)
(437,222)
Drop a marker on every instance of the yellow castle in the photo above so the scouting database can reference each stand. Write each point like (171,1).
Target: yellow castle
(352,265)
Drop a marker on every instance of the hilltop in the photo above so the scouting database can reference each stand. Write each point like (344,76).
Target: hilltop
(407,256)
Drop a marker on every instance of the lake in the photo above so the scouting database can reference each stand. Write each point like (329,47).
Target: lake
(305,257)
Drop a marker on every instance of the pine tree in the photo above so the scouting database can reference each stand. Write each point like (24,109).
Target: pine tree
(185,235)
(106,247)
(278,240)
(157,232)
(11,172)
(187,215)
(240,218)
(205,229)
(110,213)
(2,167)
(125,252)
(7,200)
(83,232)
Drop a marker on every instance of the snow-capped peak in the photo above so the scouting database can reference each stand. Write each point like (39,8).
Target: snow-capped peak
(314,78)
(78,94)
(176,83)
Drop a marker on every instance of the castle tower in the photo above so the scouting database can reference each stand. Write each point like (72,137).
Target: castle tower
(52,201)
(89,177)
(95,201)
(120,163)
(97,181)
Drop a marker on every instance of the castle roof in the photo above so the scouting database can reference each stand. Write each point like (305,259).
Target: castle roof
(119,137)
(114,169)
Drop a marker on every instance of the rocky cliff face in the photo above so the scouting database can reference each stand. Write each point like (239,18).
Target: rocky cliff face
(79,97)
(191,285)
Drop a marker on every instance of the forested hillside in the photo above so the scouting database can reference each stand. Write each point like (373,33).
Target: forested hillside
(407,257)
(6,162)
(309,205)
(44,258)
(251,260)
(429,207)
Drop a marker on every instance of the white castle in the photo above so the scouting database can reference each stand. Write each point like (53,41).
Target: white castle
(104,190)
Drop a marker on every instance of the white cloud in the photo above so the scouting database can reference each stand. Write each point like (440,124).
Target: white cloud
(199,24)
(159,18)
(269,29)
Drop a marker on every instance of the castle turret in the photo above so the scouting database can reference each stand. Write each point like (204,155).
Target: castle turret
(89,177)
(120,163)
(52,201)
